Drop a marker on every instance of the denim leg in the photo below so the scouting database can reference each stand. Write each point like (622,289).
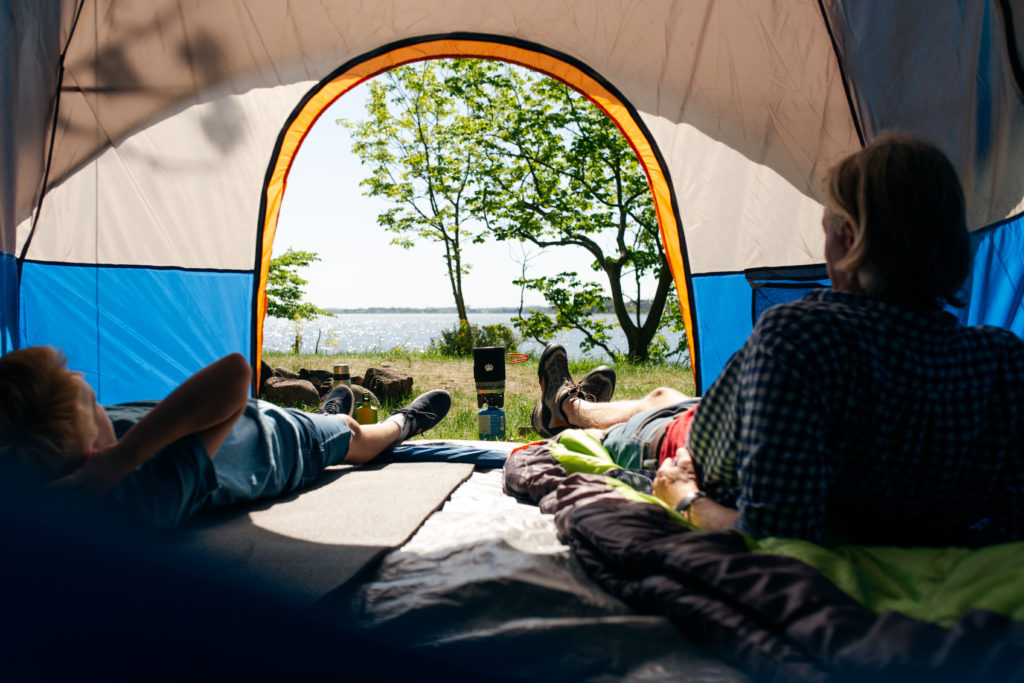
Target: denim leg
(273,451)
(323,440)
(636,441)
(327,433)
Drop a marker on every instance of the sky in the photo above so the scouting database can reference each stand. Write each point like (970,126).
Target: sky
(324,211)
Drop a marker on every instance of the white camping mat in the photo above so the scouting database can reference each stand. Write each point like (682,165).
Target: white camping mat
(486,583)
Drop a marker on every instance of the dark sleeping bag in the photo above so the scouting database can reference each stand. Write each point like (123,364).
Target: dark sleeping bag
(779,608)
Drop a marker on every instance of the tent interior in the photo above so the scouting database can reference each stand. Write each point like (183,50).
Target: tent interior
(146,146)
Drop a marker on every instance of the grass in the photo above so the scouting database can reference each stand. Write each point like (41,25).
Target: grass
(455,375)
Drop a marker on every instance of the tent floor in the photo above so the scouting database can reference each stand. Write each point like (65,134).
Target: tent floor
(486,580)
(310,543)
(482,579)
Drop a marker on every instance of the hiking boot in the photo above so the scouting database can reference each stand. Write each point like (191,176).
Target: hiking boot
(598,385)
(422,414)
(339,402)
(556,385)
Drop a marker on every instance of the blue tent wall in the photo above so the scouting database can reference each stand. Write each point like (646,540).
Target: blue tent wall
(722,321)
(135,332)
(727,304)
(8,303)
(996,285)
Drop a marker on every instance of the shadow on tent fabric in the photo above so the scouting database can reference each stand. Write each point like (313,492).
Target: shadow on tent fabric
(85,597)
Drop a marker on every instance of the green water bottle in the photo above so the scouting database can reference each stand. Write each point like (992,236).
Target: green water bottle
(366,414)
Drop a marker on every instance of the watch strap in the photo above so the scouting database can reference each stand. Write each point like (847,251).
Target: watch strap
(692,498)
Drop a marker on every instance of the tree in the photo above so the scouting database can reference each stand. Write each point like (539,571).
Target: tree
(285,287)
(457,143)
(420,141)
(556,172)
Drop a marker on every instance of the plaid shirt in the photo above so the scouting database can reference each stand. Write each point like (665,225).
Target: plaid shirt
(847,416)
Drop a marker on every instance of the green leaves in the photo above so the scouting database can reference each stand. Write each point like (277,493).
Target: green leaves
(459,341)
(556,172)
(285,289)
(421,141)
(470,150)
(575,303)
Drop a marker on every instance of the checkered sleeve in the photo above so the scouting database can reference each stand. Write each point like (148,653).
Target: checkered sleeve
(782,469)
(1008,512)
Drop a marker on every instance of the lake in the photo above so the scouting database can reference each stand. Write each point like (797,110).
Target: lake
(362,332)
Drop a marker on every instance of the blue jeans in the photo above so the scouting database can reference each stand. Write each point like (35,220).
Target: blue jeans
(634,444)
(269,452)
(272,451)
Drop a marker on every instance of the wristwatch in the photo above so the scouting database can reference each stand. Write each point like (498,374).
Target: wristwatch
(692,498)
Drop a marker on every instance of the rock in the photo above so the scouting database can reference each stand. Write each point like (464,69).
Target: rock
(321,379)
(285,372)
(266,372)
(285,391)
(316,376)
(387,384)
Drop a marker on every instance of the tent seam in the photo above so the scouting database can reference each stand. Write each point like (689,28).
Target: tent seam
(53,136)
(842,74)
(1005,13)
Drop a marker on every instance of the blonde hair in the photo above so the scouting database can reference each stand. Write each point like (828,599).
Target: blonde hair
(906,204)
(46,420)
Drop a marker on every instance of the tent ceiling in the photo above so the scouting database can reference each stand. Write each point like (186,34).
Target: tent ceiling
(759,76)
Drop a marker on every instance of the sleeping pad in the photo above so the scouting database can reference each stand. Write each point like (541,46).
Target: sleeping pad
(779,608)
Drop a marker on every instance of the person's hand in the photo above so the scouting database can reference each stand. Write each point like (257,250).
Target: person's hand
(98,475)
(676,478)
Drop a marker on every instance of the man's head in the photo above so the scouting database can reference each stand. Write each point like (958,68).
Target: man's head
(47,414)
(896,210)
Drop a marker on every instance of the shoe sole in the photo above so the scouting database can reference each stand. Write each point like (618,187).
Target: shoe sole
(545,414)
(545,355)
(604,371)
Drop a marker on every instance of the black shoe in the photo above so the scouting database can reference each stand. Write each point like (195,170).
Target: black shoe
(339,402)
(555,386)
(598,385)
(423,413)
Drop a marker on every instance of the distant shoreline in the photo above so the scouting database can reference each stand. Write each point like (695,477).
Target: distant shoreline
(449,309)
(514,310)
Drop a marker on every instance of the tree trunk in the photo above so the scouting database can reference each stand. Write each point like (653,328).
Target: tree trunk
(639,339)
(460,301)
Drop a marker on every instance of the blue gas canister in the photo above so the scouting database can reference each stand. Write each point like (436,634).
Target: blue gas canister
(492,424)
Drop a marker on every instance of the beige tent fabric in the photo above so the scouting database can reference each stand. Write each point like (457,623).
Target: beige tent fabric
(183,192)
(941,72)
(179,100)
(752,74)
(169,109)
(735,213)
(30,39)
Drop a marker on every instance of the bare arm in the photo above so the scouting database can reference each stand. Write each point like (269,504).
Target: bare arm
(678,479)
(707,514)
(207,404)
